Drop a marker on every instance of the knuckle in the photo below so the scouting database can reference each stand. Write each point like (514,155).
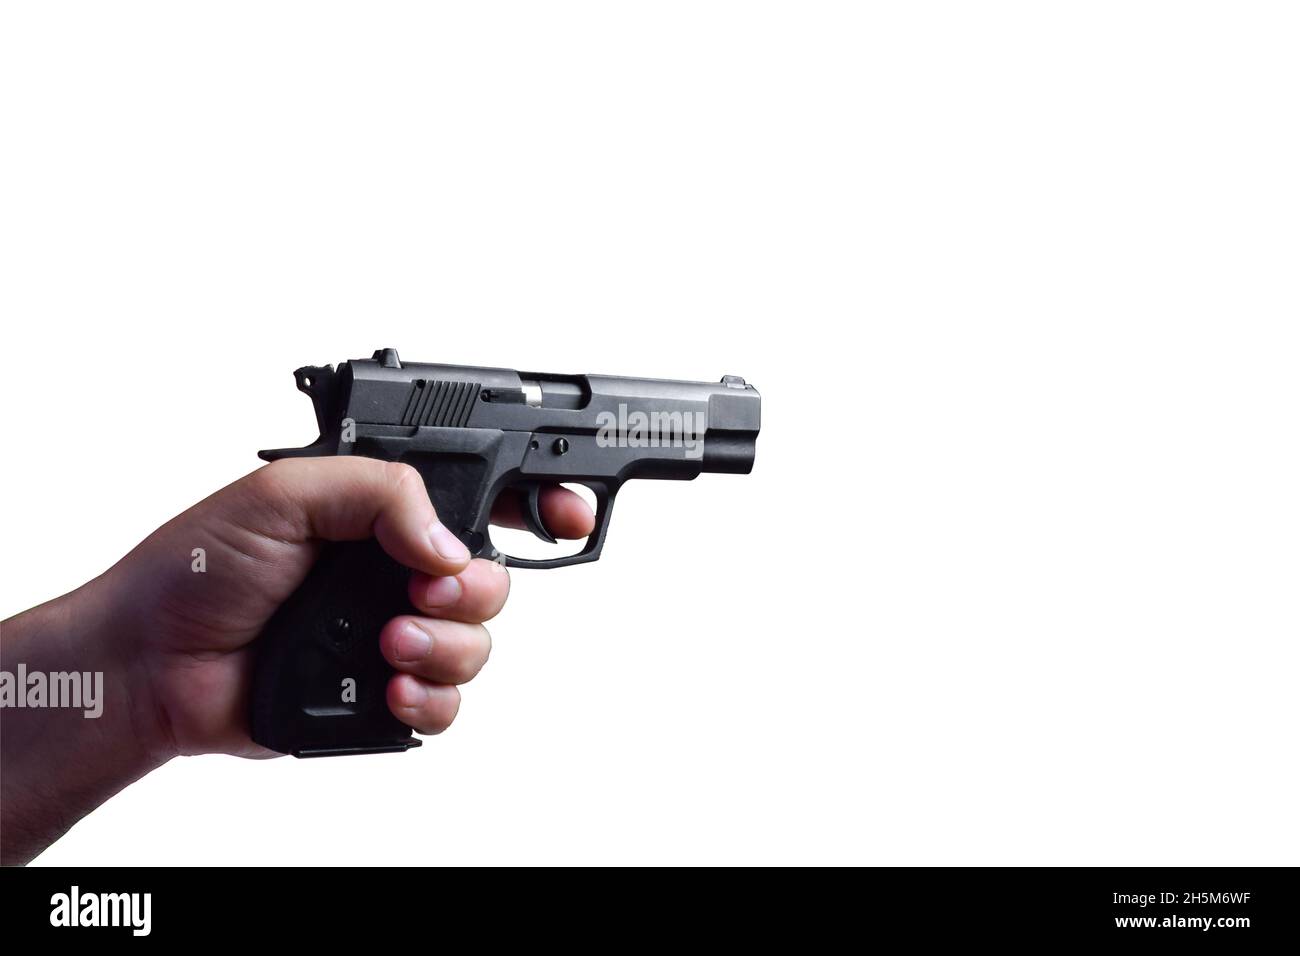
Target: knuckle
(271,481)
(493,583)
(403,477)
(500,595)
(441,711)
(472,655)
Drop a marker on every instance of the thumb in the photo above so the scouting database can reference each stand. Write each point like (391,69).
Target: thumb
(348,498)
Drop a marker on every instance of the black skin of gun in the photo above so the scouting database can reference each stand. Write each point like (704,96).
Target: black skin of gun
(471,433)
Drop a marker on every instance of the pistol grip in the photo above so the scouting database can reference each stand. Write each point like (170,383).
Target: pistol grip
(320,681)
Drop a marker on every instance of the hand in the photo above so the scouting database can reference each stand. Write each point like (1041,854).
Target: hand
(174,646)
(260,536)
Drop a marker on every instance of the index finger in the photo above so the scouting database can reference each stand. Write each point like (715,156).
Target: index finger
(565,513)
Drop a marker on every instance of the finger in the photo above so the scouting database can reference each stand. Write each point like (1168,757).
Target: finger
(428,708)
(445,652)
(565,513)
(352,497)
(474,596)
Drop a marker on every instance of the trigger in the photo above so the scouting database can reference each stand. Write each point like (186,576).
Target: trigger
(533,512)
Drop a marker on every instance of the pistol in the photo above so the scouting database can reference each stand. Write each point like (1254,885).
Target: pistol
(319,678)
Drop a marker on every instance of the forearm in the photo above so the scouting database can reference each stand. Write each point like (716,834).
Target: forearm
(79,738)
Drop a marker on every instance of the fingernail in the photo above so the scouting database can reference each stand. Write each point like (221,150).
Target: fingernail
(447,544)
(442,592)
(413,643)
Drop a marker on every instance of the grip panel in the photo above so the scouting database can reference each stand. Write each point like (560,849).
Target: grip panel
(324,635)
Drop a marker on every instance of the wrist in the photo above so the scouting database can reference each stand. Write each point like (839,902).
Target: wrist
(78,728)
(111,637)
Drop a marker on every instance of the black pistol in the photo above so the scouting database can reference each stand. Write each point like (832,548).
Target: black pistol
(319,680)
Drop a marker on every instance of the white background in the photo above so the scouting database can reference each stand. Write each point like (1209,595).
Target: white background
(1015,577)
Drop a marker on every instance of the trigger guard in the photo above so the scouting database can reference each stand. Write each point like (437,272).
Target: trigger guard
(532,510)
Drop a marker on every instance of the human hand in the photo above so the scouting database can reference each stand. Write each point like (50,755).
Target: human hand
(192,634)
(173,648)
